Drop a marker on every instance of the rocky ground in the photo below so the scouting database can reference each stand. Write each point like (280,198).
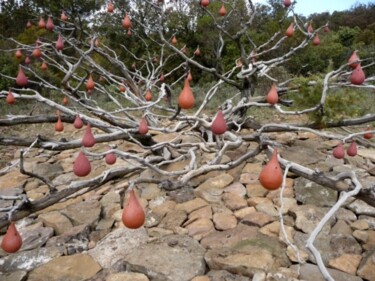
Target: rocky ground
(222,226)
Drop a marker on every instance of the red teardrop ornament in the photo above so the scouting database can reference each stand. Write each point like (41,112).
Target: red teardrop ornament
(110,158)
(18,54)
(44,66)
(162,78)
(287,3)
(126,23)
(133,215)
(10,99)
(148,95)
(219,125)
(358,76)
(174,40)
(78,124)
(59,126)
(29,24)
(41,23)
(90,84)
(326,29)
(88,139)
(339,152)
(37,53)
(310,29)
(290,31)
(50,25)
(186,98)
(316,40)
(190,77)
(60,43)
(353,60)
(222,11)
(27,60)
(143,126)
(352,149)
(12,240)
(82,166)
(197,52)
(110,7)
(271,176)
(272,96)
(21,79)
(205,3)
(63,16)
(368,135)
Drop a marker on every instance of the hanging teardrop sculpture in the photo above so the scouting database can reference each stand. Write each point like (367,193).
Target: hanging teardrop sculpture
(12,240)
(271,176)
(59,126)
(148,95)
(316,40)
(186,98)
(339,152)
(133,215)
(10,99)
(358,76)
(41,23)
(290,31)
(352,149)
(21,79)
(82,166)
(50,25)
(110,158)
(222,11)
(143,126)
(88,139)
(126,22)
(78,124)
(272,96)
(60,43)
(219,125)
(63,16)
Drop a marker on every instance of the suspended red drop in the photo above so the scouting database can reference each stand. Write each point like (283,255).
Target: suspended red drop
(133,215)
(12,240)
(82,166)
(271,176)
(78,124)
(219,125)
(10,99)
(272,96)
(88,139)
(339,152)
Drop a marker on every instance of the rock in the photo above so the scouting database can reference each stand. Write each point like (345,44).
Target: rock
(224,221)
(341,227)
(370,220)
(271,229)
(345,214)
(192,205)
(257,219)
(267,208)
(304,152)
(78,234)
(362,208)
(161,206)
(297,255)
(212,189)
(12,179)
(204,212)
(29,259)
(367,153)
(288,191)
(360,225)
(308,192)
(117,244)
(182,195)
(366,268)
(370,241)
(85,212)
(255,189)
(240,214)
(110,198)
(72,268)
(57,221)
(233,201)
(158,232)
(34,238)
(259,276)
(47,170)
(200,278)
(223,275)
(200,228)
(150,191)
(261,253)
(105,224)
(14,276)
(360,235)
(172,258)
(230,237)
(173,219)
(347,263)
(308,216)
(236,188)
(127,276)
(310,272)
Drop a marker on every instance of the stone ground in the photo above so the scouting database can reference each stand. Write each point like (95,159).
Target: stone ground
(223,226)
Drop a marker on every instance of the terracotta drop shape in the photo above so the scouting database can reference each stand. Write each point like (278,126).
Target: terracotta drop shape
(10,99)
(110,7)
(174,40)
(143,126)
(122,88)
(63,16)
(148,95)
(41,23)
(110,158)
(21,79)
(316,40)
(186,99)
(310,29)
(339,152)
(27,60)
(353,60)
(358,76)
(368,135)
(219,125)
(222,11)
(59,126)
(90,84)
(37,53)
(29,24)
(50,25)
(60,43)
(197,52)
(65,101)
(133,215)
(271,176)
(82,166)
(126,23)
(352,149)
(88,139)
(18,54)
(12,240)
(272,96)
(290,31)
(44,66)
(189,77)
(78,124)
(205,3)
(287,3)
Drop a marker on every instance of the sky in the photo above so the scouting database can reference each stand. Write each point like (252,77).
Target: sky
(307,7)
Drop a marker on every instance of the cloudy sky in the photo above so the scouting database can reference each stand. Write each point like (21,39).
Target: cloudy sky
(307,7)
